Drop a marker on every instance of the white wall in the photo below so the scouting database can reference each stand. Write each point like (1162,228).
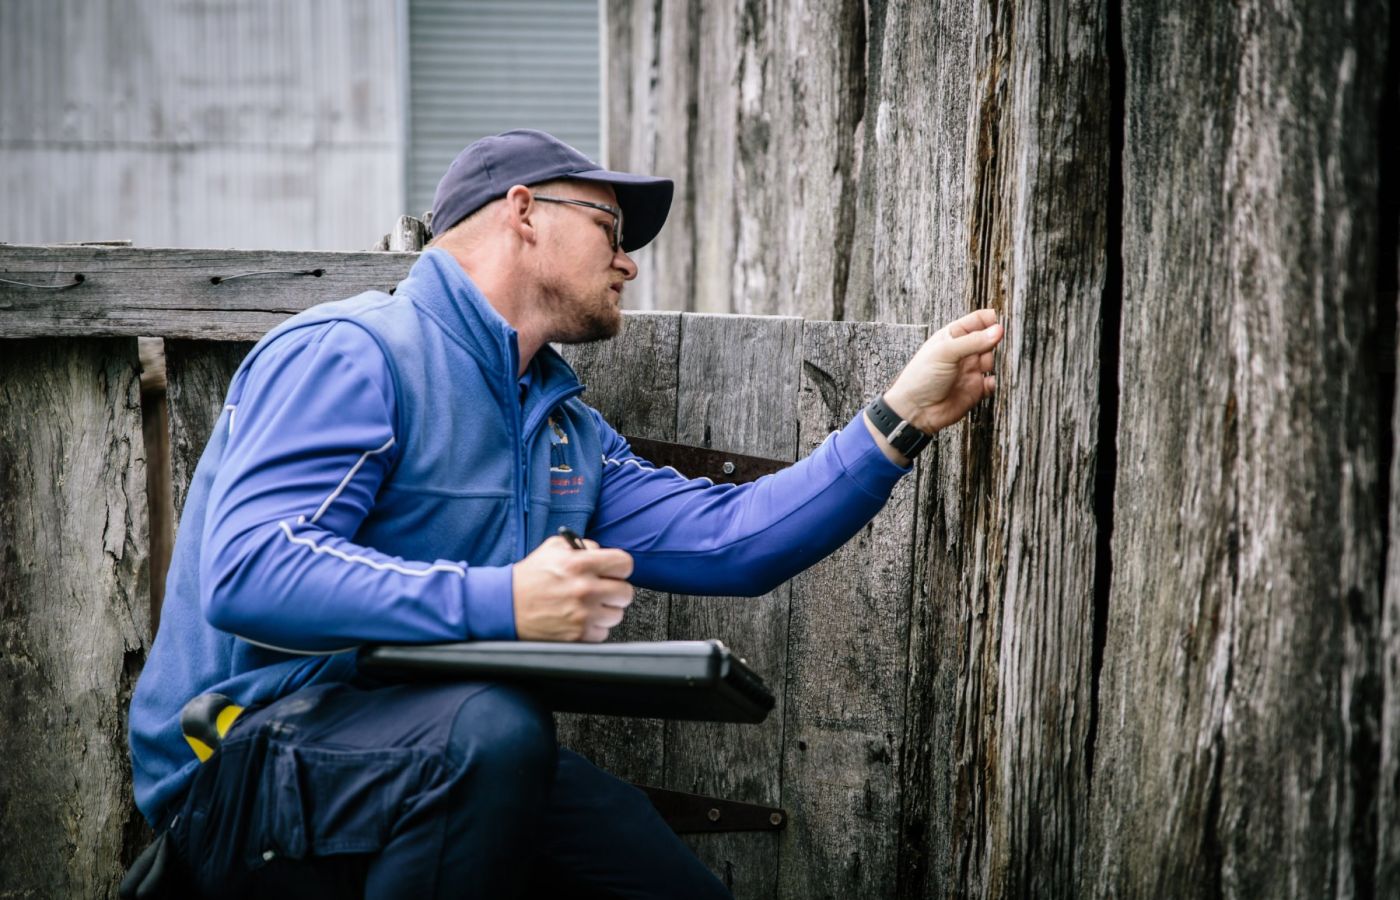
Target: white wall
(273,124)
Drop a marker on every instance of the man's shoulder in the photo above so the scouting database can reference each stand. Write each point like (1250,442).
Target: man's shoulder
(343,328)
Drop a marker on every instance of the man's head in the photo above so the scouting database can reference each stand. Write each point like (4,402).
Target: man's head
(561,223)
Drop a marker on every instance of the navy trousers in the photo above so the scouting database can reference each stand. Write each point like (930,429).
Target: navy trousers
(420,791)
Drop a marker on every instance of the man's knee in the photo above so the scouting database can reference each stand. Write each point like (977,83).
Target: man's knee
(504,734)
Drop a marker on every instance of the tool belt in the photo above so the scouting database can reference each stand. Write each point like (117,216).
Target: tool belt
(157,873)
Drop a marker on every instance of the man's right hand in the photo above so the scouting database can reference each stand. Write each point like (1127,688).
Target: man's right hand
(565,594)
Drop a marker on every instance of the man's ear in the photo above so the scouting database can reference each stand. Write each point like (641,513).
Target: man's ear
(520,210)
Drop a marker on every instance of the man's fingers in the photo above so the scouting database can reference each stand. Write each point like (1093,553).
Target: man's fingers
(615,593)
(978,342)
(609,563)
(606,617)
(976,320)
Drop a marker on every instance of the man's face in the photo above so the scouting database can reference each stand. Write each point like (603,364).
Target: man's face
(580,275)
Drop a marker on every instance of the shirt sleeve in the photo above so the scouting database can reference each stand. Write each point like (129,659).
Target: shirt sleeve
(311,438)
(689,535)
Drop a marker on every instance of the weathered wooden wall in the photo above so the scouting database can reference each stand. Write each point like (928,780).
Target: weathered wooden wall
(1174,207)
(74,612)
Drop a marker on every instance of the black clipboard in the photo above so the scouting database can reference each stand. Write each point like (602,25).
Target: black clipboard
(693,680)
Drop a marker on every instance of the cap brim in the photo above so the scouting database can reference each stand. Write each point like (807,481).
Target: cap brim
(645,202)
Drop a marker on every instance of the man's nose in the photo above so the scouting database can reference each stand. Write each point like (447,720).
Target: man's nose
(624,262)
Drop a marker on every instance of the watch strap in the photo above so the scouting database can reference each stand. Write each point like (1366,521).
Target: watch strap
(901,433)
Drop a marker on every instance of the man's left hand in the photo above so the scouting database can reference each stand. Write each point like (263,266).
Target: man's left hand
(948,375)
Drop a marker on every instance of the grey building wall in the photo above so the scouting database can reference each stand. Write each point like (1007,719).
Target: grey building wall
(271,124)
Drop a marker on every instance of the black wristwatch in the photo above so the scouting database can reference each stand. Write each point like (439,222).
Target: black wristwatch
(901,433)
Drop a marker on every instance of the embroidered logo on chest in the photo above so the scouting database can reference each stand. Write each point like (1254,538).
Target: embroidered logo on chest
(562,480)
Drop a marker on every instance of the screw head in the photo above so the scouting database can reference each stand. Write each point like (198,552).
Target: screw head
(775,818)
(713,814)
(728,468)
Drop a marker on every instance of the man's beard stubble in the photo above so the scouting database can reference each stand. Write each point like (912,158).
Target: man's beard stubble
(583,320)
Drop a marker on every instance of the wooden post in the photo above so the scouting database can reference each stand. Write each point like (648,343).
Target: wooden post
(738,391)
(1238,745)
(198,373)
(843,779)
(74,612)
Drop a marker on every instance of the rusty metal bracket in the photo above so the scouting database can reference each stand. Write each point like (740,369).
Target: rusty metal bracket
(693,462)
(695,813)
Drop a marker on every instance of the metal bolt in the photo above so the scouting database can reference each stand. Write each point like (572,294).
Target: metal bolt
(775,818)
(713,814)
(728,468)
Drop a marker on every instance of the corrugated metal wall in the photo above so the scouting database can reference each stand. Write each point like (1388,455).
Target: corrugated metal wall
(239,123)
(484,66)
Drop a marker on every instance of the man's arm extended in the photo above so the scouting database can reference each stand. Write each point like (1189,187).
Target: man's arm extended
(691,536)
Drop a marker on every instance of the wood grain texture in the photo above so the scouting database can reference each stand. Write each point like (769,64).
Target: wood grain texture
(847,647)
(1237,736)
(1024,564)
(409,235)
(909,257)
(1388,802)
(131,292)
(738,386)
(198,373)
(754,111)
(74,612)
(632,381)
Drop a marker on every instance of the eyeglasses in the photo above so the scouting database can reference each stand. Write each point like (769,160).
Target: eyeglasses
(614,230)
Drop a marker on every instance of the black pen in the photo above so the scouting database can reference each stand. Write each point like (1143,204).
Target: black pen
(572,537)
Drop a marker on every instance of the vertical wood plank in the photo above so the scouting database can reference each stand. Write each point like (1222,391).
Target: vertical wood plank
(1237,732)
(651,67)
(842,782)
(801,85)
(1037,242)
(1388,803)
(909,257)
(74,612)
(198,374)
(632,381)
(738,391)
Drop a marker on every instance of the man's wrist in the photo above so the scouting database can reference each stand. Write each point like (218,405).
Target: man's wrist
(878,437)
(893,430)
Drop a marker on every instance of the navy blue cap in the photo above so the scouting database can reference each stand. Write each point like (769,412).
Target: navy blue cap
(493,165)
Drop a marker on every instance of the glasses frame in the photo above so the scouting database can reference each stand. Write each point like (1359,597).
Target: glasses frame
(613,211)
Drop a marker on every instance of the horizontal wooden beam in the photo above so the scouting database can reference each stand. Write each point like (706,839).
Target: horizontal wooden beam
(219,295)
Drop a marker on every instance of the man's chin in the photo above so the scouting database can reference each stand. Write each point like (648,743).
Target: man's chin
(596,328)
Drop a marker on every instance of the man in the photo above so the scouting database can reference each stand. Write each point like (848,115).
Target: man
(381,473)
